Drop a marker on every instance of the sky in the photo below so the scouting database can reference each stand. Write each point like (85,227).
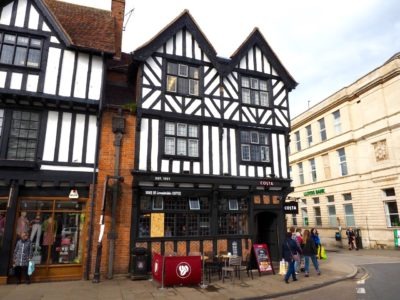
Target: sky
(324,44)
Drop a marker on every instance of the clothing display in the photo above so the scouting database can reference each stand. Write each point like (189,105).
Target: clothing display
(49,228)
(22,224)
(36,230)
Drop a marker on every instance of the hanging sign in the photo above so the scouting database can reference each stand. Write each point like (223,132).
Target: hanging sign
(291,207)
(263,258)
(73,194)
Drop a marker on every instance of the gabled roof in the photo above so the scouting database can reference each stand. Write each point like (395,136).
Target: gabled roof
(223,65)
(81,26)
(257,39)
(184,20)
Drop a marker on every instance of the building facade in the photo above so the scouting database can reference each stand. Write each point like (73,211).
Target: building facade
(52,62)
(211,162)
(344,160)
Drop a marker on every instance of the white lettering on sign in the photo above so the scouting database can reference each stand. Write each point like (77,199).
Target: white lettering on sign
(162,178)
(266,183)
(163,193)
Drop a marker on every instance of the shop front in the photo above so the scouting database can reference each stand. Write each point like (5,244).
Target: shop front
(56,226)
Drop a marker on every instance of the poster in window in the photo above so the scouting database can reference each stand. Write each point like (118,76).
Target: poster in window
(263,258)
(157,225)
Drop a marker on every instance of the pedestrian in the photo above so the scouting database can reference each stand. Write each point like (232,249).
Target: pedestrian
(289,251)
(22,254)
(309,252)
(317,241)
(299,240)
(294,236)
(351,236)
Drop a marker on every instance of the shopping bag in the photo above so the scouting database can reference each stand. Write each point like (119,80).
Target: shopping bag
(322,252)
(31,267)
(282,267)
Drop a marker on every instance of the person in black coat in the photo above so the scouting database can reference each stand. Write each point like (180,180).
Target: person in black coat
(290,248)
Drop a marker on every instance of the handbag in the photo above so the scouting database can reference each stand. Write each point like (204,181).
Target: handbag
(11,271)
(295,257)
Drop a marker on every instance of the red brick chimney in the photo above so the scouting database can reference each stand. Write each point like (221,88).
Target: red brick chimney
(118,12)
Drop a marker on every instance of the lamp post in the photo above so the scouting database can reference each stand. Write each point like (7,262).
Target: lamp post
(96,275)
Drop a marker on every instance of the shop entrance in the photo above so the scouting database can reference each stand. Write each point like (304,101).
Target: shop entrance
(266,226)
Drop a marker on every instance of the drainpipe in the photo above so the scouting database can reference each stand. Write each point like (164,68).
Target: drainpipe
(118,127)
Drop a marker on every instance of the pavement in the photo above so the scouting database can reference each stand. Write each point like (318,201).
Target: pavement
(268,286)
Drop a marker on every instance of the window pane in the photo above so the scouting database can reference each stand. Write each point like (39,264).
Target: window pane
(9,38)
(255,97)
(171,83)
(172,69)
(245,82)
(263,139)
(20,56)
(170,145)
(183,85)
(181,130)
(33,58)
(183,70)
(245,137)
(245,152)
(254,83)
(22,41)
(193,87)
(193,148)
(263,85)
(194,72)
(193,131)
(246,96)
(170,128)
(36,43)
(181,147)
(264,153)
(264,99)
(254,137)
(7,54)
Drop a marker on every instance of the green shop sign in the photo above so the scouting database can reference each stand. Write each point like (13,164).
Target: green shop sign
(314,192)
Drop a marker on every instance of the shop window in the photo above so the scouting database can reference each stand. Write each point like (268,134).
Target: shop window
(304,215)
(20,50)
(56,229)
(158,203)
(3,210)
(181,216)
(230,219)
(391,210)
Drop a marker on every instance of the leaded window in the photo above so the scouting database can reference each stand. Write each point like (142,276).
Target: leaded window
(183,79)
(181,139)
(255,91)
(233,216)
(254,146)
(20,50)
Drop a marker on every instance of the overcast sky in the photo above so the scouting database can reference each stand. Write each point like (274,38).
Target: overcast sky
(325,45)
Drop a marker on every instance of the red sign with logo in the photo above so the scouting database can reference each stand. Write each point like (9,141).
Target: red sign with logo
(263,258)
(183,270)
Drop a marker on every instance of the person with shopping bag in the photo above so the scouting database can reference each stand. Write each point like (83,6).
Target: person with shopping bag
(289,252)
(22,255)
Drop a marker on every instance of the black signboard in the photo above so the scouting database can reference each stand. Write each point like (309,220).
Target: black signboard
(263,258)
(291,207)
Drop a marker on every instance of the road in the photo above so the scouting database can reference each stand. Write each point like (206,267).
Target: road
(378,278)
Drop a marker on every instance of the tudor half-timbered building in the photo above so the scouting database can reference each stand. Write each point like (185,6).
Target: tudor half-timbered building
(52,58)
(211,163)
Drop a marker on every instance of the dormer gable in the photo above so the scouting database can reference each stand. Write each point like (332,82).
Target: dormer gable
(257,41)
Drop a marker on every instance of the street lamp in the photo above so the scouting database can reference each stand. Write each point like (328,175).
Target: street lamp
(96,275)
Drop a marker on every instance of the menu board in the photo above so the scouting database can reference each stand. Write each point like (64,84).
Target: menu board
(157,225)
(263,258)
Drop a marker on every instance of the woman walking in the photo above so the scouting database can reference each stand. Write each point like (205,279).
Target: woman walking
(22,254)
(309,252)
(290,248)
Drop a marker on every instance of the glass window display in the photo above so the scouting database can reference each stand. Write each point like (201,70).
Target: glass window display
(55,228)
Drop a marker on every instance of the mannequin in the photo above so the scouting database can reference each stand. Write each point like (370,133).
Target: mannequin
(22,224)
(36,230)
(49,228)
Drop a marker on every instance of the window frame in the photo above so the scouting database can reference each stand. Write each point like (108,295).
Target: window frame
(349,218)
(173,141)
(29,135)
(255,89)
(298,141)
(301,172)
(29,46)
(322,129)
(332,217)
(309,135)
(337,123)
(180,77)
(313,170)
(251,149)
(342,162)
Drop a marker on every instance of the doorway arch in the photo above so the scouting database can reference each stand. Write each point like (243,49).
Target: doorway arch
(267,232)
